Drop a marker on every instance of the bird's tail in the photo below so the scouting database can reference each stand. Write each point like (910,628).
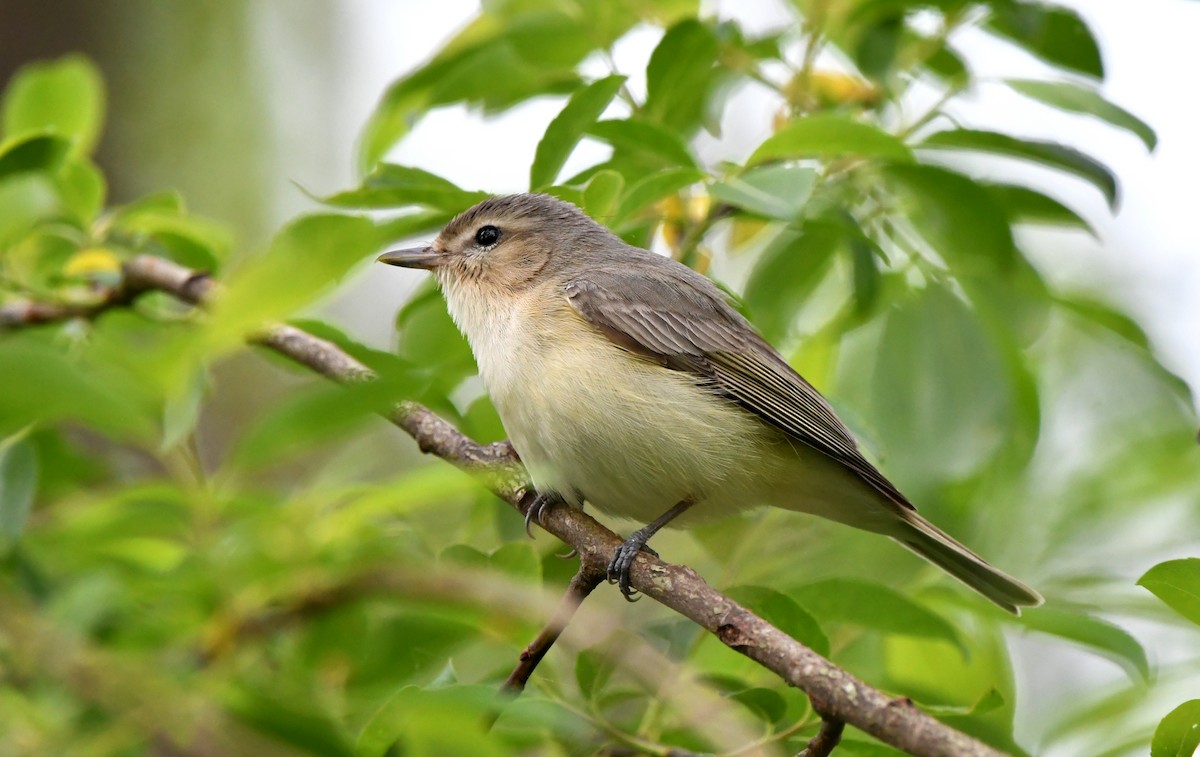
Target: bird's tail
(941,549)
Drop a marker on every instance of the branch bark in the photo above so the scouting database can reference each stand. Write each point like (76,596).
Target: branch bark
(835,694)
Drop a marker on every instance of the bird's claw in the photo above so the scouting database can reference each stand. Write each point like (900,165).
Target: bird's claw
(537,509)
(622,561)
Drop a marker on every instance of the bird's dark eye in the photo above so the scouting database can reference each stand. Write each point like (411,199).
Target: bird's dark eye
(487,236)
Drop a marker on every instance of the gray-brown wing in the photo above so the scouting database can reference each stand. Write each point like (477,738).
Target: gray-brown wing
(690,327)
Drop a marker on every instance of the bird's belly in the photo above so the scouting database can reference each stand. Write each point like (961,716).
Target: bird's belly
(592,422)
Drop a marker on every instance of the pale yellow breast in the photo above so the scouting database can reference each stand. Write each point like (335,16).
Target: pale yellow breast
(593,421)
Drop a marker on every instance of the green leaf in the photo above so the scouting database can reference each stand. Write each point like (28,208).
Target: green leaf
(1024,205)
(645,140)
(518,560)
(82,188)
(939,395)
(1079,99)
(1055,34)
(433,345)
(391,186)
(679,76)
(1050,154)
(592,670)
(827,135)
(988,702)
(568,127)
(40,153)
(776,191)
(52,389)
(782,612)
(63,97)
(306,259)
(653,188)
(182,411)
(957,216)
(493,63)
(426,721)
(1177,583)
(790,268)
(25,200)
(767,704)
(871,605)
(1178,735)
(293,721)
(18,483)
(1104,637)
(323,414)
(601,194)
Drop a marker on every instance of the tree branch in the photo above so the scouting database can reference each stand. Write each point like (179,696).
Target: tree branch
(835,694)
(582,584)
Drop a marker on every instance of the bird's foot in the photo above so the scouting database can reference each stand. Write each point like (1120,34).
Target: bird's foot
(622,561)
(541,504)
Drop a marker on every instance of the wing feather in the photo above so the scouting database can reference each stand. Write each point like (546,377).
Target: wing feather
(690,327)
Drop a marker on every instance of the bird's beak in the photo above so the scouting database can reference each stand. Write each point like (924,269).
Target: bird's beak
(414,257)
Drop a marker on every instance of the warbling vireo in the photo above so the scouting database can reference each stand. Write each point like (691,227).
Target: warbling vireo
(626,381)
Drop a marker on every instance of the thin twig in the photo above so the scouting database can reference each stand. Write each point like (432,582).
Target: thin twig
(582,584)
(835,693)
(828,737)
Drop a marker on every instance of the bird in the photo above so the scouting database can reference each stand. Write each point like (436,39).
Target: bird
(628,382)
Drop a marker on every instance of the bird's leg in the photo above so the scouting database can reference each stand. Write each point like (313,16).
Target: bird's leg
(542,501)
(622,559)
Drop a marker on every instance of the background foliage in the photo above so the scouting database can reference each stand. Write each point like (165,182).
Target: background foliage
(281,583)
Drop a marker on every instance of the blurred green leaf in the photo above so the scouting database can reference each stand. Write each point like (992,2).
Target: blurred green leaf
(871,605)
(592,671)
(517,559)
(82,188)
(24,200)
(653,188)
(1050,154)
(64,97)
(777,191)
(322,415)
(291,721)
(1177,583)
(433,345)
(765,703)
(940,401)
(45,387)
(390,186)
(1024,205)
(828,135)
(1079,99)
(1053,33)
(856,748)
(601,195)
(568,127)
(492,62)
(645,139)
(957,216)
(784,613)
(182,411)
(788,270)
(18,484)
(1178,735)
(431,722)
(986,703)
(1109,640)
(679,76)
(38,153)
(307,258)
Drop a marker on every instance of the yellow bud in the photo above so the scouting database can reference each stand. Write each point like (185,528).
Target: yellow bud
(91,261)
